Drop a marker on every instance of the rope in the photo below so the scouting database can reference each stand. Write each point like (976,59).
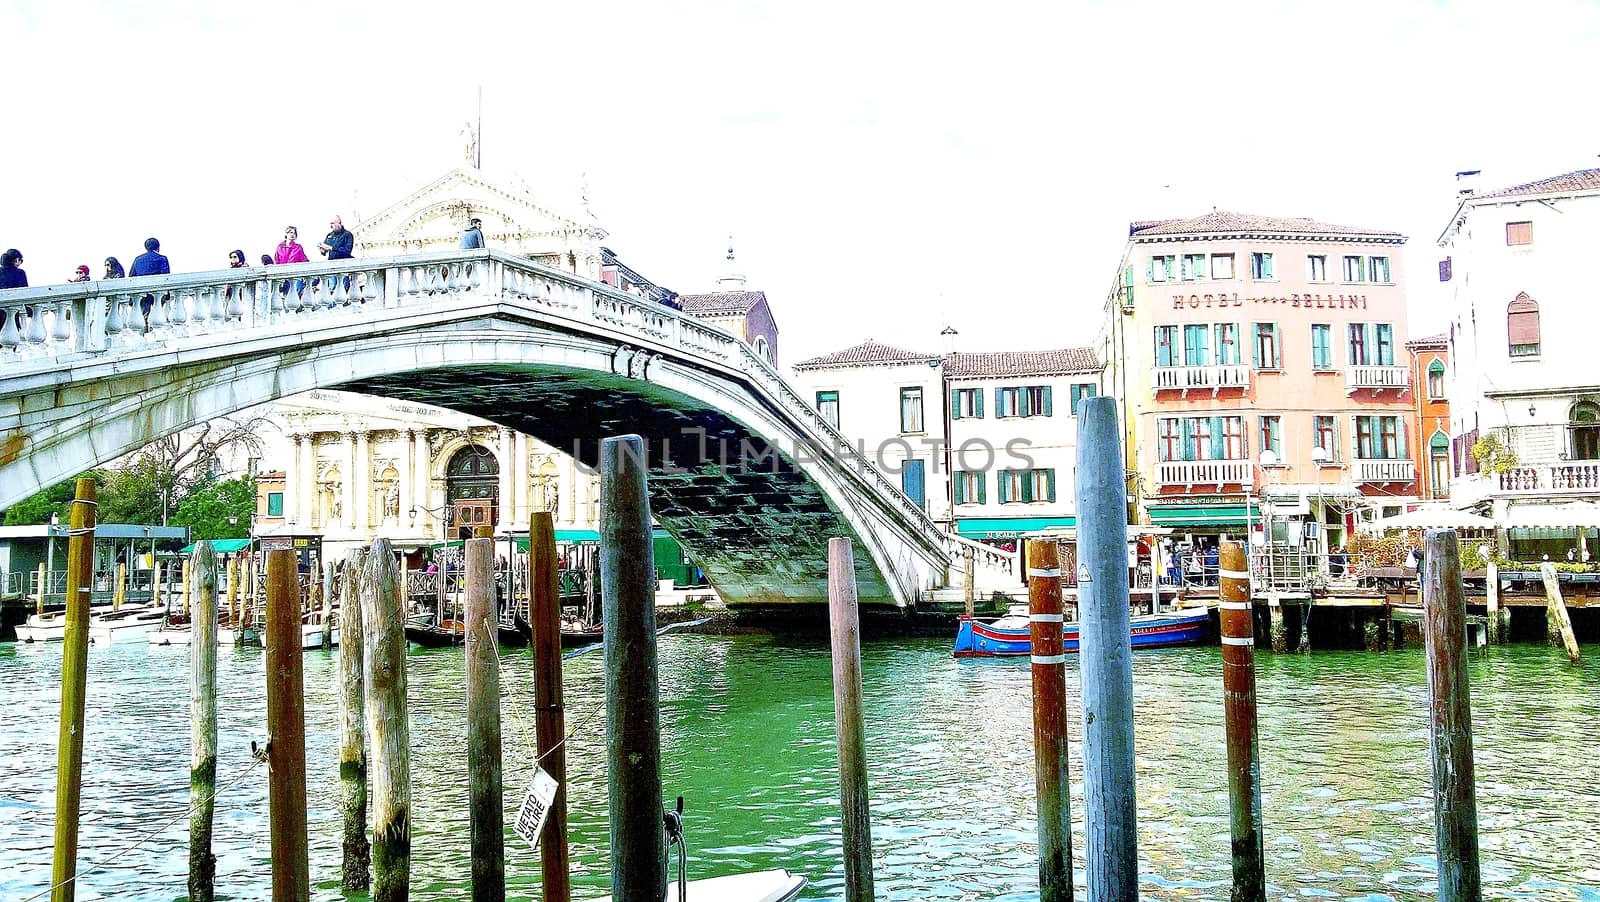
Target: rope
(108,861)
(516,714)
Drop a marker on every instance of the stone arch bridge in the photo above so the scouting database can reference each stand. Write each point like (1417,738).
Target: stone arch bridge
(743,473)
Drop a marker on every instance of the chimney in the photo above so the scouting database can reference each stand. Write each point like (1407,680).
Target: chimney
(1467,182)
(949,333)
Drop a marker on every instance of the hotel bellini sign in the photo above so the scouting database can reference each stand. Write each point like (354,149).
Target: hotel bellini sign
(1309,301)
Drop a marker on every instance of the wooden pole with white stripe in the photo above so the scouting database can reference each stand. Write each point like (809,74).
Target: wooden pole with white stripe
(1050,721)
(1239,715)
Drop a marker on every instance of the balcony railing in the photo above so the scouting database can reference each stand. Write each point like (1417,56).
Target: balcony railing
(1385,470)
(1376,378)
(1204,472)
(1578,477)
(1202,378)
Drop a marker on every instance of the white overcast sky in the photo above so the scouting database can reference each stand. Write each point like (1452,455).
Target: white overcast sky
(886,168)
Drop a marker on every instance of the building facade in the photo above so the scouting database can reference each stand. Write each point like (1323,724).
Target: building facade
(985,442)
(1429,358)
(1525,393)
(1261,367)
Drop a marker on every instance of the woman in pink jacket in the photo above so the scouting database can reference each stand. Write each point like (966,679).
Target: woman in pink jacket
(290,251)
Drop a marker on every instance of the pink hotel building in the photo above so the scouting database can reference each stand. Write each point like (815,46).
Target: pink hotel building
(1230,335)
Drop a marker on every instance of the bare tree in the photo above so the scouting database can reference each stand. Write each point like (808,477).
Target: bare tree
(169,468)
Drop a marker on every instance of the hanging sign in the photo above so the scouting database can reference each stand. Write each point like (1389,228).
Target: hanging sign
(535,808)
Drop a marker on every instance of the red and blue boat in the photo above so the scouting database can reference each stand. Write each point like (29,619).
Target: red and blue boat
(1009,635)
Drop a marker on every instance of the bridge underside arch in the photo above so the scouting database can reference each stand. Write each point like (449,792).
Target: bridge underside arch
(755,522)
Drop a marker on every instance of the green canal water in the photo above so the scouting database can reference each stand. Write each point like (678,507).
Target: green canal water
(748,739)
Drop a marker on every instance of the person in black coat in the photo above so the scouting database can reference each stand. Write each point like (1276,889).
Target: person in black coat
(11,273)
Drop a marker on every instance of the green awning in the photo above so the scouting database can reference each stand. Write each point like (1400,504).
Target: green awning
(564,536)
(1008,527)
(1198,515)
(223,546)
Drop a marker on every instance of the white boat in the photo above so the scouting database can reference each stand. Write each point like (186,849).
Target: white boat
(777,885)
(311,636)
(171,635)
(125,625)
(228,635)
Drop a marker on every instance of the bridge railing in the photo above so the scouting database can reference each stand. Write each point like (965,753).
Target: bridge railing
(43,328)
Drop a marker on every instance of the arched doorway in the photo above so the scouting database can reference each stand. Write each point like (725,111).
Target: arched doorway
(472,490)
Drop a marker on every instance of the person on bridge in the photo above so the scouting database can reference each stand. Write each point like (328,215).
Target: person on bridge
(81,274)
(152,262)
(236,260)
(473,236)
(11,273)
(289,249)
(114,269)
(340,243)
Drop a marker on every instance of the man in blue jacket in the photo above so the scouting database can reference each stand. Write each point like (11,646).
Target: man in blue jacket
(149,263)
(340,243)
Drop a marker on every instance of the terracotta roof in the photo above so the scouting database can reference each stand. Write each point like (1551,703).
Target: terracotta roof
(721,303)
(1220,221)
(272,474)
(1022,363)
(1581,180)
(868,352)
(1442,340)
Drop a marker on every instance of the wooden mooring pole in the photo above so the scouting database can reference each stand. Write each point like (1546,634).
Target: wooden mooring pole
(1052,783)
(1106,658)
(184,586)
(550,725)
(74,684)
(1491,589)
(844,629)
(233,591)
(633,726)
(352,726)
(1455,807)
(202,721)
(286,731)
(43,583)
(1239,715)
(119,592)
(388,726)
(1557,619)
(327,604)
(485,810)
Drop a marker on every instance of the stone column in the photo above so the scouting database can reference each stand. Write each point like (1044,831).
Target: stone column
(408,448)
(349,519)
(424,471)
(508,465)
(308,482)
(292,473)
(519,484)
(363,483)
(574,487)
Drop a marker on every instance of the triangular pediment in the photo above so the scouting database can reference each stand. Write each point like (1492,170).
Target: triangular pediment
(433,217)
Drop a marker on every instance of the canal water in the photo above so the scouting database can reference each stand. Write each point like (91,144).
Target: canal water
(748,741)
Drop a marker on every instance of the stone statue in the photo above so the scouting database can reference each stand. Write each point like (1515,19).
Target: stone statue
(555,498)
(469,136)
(391,501)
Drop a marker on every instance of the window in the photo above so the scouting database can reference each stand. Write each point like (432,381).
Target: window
(1439,465)
(1522,326)
(1166,345)
(1519,233)
(1371,344)
(1266,347)
(1353,270)
(1385,344)
(1233,438)
(1380,438)
(1583,423)
(828,406)
(911,409)
(1161,268)
(1272,435)
(1322,429)
(1081,390)
(1260,265)
(1221,266)
(1195,351)
(1193,267)
(1027,401)
(1358,345)
(1168,442)
(274,504)
(1378,269)
(1317,268)
(1436,380)
(1321,346)
(1228,350)
(966,404)
(969,487)
(1199,439)
(1026,486)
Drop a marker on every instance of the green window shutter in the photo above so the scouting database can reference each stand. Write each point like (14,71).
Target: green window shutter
(955,404)
(1047,404)
(1150,269)
(1027,486)
(1050,482)
(1255,345)
(1003,485)
(982,480)
(1216,438)
(960,488)
(1400,438)
(1199,273)
(977,403)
